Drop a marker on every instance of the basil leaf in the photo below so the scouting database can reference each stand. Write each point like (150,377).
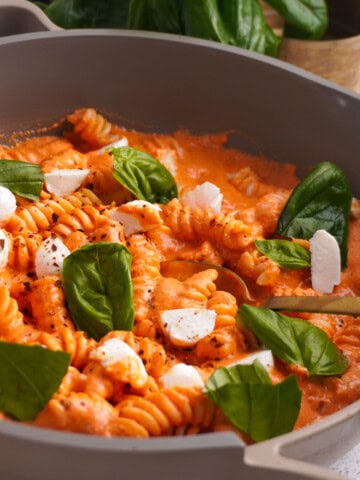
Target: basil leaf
(321,201)
(88,13)
(294,340)
(98,288)
(285,253)
(23,178)
(245,20)
(303,18)
(202,19)
(29,375)
(251,403)
(143,175)
(158,15)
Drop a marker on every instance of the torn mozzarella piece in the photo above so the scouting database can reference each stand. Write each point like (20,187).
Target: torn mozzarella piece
(137,216)
(66,181)
(325,261)
(186,326)
(50,257)
(7,203)
(117,355)
(264,356)
(123,142)
(4,249)
(206,195)
(168,159)
(182,375)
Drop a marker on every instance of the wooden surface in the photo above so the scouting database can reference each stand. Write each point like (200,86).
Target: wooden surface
(335,60)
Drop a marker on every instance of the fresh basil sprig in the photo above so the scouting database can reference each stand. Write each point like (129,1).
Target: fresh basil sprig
(98,288)
(322,200)
(29,375)
(294,340)
(303,18)
(252,403)
(143,175)
(22,178)
(233,22)
(285,253)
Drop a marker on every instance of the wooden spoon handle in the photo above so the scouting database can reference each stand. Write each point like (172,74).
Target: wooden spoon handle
(336,305)
(335,60)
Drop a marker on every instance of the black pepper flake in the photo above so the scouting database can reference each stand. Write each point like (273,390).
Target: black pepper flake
(54,247)
(54,217)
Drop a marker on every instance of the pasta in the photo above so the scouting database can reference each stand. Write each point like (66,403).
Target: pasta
(130,393)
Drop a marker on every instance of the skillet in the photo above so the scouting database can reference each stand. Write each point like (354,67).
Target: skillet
(158,82)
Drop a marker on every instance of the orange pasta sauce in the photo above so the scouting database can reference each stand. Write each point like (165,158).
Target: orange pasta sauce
(108,401)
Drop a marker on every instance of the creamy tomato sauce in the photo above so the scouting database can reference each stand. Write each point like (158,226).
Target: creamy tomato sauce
(97,399)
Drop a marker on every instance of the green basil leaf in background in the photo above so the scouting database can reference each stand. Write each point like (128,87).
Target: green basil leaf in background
(143,175)
(201,18)
(321,201)
(22,178)
(157,15)
(252,403)
(98,288)
(285,253)
(29,376)
(294,340)
(303,18)
(245,20)
(88,13)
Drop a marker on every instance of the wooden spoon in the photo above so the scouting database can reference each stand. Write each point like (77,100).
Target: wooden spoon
(230,282)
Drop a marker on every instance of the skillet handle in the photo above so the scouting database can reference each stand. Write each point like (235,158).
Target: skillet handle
(21,16)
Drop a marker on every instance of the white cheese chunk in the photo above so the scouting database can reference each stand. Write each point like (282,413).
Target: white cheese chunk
(50,257)
(137,216)
(66,181)
(7,203)
(206,195)
(264,356)
(123,142)
(4,249)
(325,261)
(114,352)
(182,375)
(186,326)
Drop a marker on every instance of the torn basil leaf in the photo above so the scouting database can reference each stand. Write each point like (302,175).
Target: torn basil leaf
(22,178)
(249,400)
(98,288)
(29,376)
(294,340)
(285,253)
(322,200)
(143,175)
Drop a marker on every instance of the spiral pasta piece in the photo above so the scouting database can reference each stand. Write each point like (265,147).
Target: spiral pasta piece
(48,306)
(225,307)
(261,269)
(83,219)
(78,412)
(144,279)
(23,248)
(223,230)
(11,319)
(92,128)
(159,412)
(67,159)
